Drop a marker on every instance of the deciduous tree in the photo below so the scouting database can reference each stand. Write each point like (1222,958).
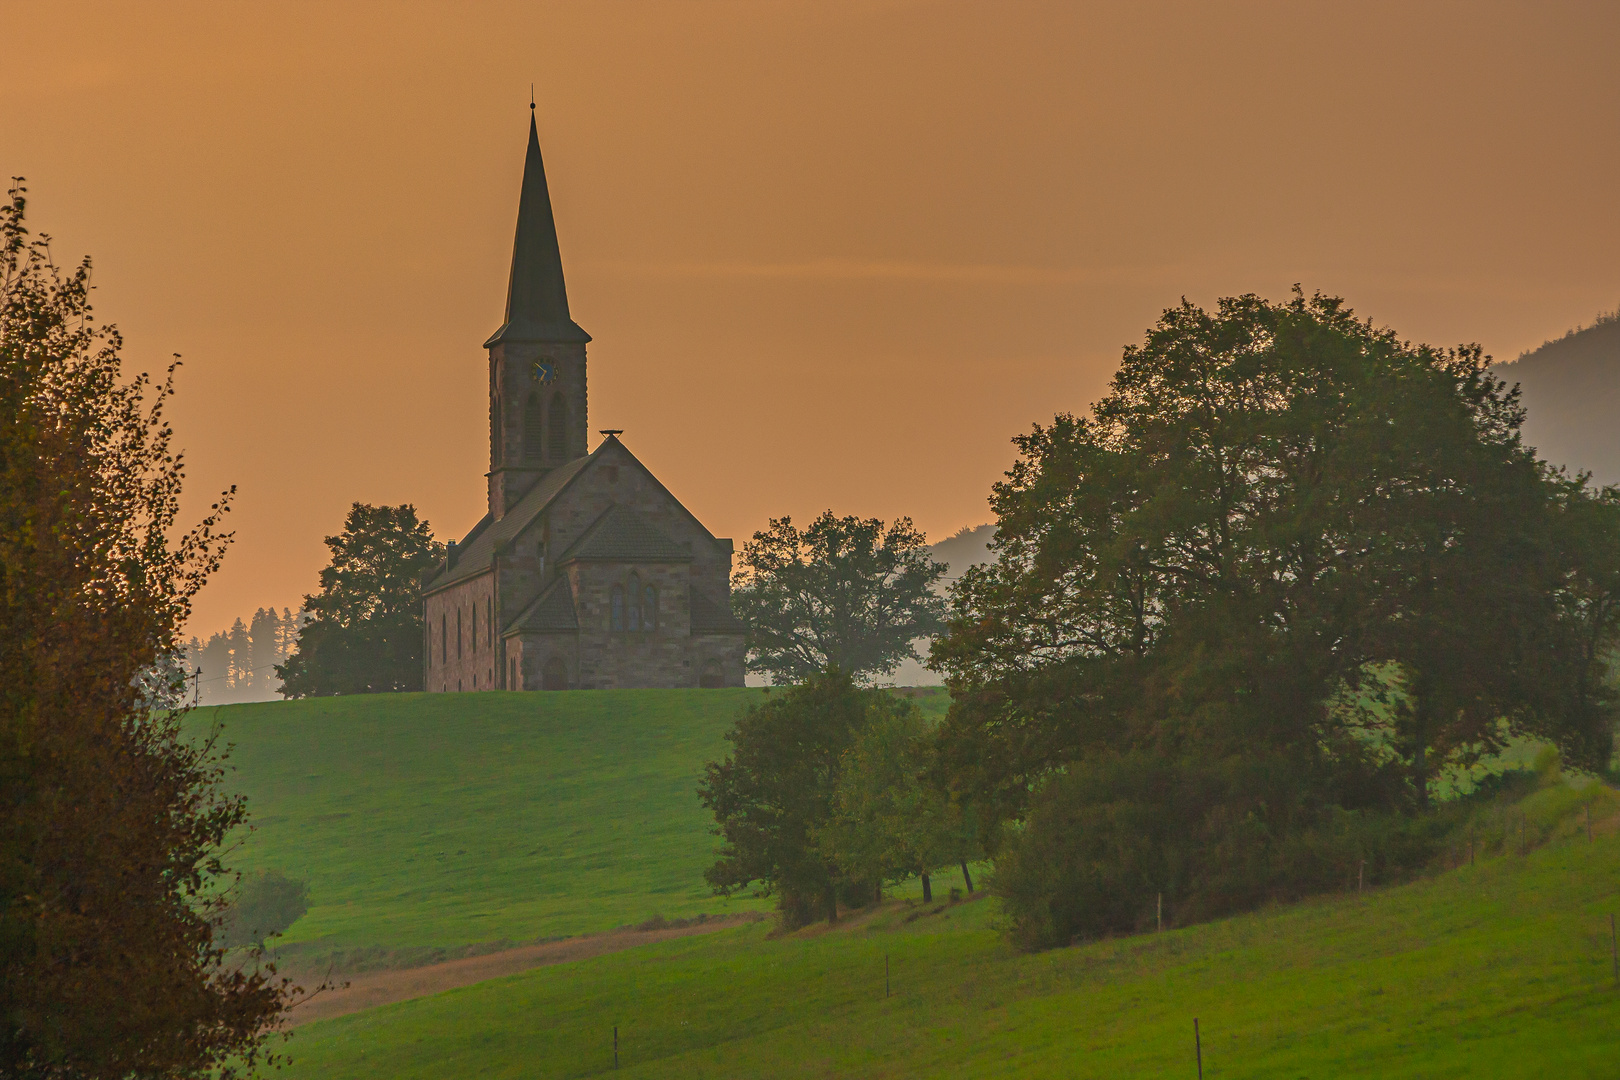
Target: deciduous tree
(1286,545)
(847,592)
(775,790)
(890,821)
(111,821)
(363,634)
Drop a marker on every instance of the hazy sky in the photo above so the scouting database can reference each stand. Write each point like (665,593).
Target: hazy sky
(831,255)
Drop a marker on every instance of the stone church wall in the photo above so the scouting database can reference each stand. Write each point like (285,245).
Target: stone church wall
(461,649)
(633,658)
(615,477)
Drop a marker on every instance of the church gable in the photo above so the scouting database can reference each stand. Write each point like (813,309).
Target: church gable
(623,535)
(644,512)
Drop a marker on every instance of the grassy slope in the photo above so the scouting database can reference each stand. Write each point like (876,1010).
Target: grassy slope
(445,819)
(442,819)
(1496,970)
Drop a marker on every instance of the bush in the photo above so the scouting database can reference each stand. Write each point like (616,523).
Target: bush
(267,904)
(1104,841)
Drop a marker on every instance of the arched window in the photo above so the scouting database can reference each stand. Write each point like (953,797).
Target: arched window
(532,435)
(497,425)
(618,607)
(711,676)
(444,638)
(458,635)
(557,428)
(474,621)
(489,620)
(649,608)
(635,602)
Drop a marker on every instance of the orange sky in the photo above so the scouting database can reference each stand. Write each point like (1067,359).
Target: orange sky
(831,255)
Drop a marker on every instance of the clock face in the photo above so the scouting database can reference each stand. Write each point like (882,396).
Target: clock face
(543,371)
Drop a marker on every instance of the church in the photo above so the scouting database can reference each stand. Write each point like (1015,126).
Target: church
(586,573)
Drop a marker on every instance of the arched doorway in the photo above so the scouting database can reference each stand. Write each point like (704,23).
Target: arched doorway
(555,676)
(711,676)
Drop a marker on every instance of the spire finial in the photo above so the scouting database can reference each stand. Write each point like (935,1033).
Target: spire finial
(531,97)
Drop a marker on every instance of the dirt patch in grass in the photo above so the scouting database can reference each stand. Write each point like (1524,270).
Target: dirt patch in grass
(369,989)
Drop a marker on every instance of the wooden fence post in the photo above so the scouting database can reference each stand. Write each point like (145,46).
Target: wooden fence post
(1198,1048)
(1614,951)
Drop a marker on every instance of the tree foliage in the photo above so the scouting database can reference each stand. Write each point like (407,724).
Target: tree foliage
(775,790)
(1284,539)
(111,823)
(847,592)
(364,630)
(890,820)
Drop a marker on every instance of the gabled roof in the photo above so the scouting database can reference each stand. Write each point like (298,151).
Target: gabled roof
(476,550)
(552,613)
(536,297)
(710,618)
(623,535)
(473,554)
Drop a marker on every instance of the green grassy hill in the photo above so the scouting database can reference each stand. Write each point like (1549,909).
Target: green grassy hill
(436,820)
(1501,969)
(444,819)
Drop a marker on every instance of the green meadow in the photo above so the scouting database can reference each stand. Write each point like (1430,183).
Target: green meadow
(442,820)
(1499,969)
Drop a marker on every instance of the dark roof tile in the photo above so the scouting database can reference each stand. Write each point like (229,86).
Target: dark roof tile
(622,535)
(552,613)
(473,554)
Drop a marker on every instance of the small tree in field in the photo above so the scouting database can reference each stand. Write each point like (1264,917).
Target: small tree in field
(888,822)
(774,792)
(847,593)
(267,904)
(111,823)
(364,632)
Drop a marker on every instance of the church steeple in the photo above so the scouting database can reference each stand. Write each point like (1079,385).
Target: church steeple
(538,410)
(536,298)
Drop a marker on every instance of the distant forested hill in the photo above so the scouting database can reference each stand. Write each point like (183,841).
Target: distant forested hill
(965,548)
(958,551)
(1572,392)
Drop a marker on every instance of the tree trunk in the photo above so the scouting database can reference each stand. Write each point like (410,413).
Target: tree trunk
(1420,764)
(967,877)
(832,905)
(928,892)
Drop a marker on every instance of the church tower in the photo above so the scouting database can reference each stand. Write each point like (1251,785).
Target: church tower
(537,400)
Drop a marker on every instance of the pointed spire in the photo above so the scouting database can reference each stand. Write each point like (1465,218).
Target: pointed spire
(536,298)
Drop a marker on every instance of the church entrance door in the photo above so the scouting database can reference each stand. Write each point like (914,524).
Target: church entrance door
(555,676)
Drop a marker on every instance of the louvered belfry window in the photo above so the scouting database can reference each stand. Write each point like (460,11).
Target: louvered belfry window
(533,436)
(557,428)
